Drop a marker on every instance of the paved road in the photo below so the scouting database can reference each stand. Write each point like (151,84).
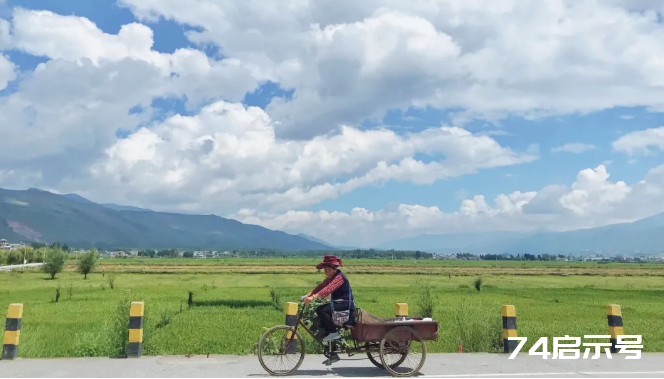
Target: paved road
(437,366)
(11,267)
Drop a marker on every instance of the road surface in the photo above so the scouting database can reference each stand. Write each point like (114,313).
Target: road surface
(436,366)
(11,267)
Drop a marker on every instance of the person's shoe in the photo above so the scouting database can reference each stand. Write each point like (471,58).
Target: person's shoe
(332,336)
(334,358)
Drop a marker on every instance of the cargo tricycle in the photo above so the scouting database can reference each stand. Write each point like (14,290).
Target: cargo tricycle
(396,345)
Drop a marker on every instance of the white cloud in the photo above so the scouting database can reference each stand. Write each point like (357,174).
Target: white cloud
(639,142)
(234,151)
(349,61)
(187,72)
(592,201)
(7,71)
(44,33)
(574,148)
(12,179)
(346,62)
(4,34)
(593,193)
(68,110)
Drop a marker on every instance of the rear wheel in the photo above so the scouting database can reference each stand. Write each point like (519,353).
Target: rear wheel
(278,354)
(374,357)
(402,351)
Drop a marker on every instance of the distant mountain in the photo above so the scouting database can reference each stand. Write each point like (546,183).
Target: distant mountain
(451,243)
(645,236)
(71,196)
(125,208)
(116,207)
(312,238)
(36,215)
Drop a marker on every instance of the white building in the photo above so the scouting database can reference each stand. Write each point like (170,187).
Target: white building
(4,245)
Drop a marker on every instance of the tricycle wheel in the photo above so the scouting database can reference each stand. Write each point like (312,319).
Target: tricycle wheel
(374,357)
(277,353)
(402,347)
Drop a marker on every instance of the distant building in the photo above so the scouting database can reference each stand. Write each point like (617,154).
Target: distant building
(4,245)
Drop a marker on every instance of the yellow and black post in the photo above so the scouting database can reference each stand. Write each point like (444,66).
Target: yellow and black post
(136,312)
(12,331)
(509,328)
(614,316)
(401,310)
(291,320)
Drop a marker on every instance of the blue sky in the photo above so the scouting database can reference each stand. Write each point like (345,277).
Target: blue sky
(599,128)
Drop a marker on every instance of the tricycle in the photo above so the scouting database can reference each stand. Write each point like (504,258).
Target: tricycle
(393,344)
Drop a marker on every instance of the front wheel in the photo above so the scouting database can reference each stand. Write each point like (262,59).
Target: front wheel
(277,353)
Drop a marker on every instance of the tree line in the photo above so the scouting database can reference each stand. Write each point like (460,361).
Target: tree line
(524,257)
(54,258)
(273,253)
(33,253)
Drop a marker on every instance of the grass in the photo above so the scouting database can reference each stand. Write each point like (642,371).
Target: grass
(230,311)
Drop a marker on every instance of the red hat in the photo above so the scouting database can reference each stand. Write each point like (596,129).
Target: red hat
(329,260)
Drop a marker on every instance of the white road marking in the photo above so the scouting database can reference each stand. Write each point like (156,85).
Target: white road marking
(620,372)
(544,374)
(499,374)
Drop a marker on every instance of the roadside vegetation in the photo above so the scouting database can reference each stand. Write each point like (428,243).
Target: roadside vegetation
(226,312)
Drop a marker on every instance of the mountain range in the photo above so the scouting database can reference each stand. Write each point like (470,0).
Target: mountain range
(34,215)
(644,236)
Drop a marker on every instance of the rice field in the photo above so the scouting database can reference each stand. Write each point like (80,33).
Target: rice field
(372,266)
(232,307)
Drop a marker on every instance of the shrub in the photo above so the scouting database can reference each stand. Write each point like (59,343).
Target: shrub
(275,296)
(111,280)
(87,263)
(425,301)
(14,258)
(478,329)
(117,327)
(54,262)
(57,294)
(478,283)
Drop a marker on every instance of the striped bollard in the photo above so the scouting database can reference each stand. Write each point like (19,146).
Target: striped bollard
(401,310)
(509,328)
(12,331)
(136,312)
(614,318)
(291,320)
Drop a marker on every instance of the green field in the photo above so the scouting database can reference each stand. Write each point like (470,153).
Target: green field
(231,310)
(366,262)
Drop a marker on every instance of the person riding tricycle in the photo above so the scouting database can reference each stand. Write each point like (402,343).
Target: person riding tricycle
(341,307)
(393,344)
